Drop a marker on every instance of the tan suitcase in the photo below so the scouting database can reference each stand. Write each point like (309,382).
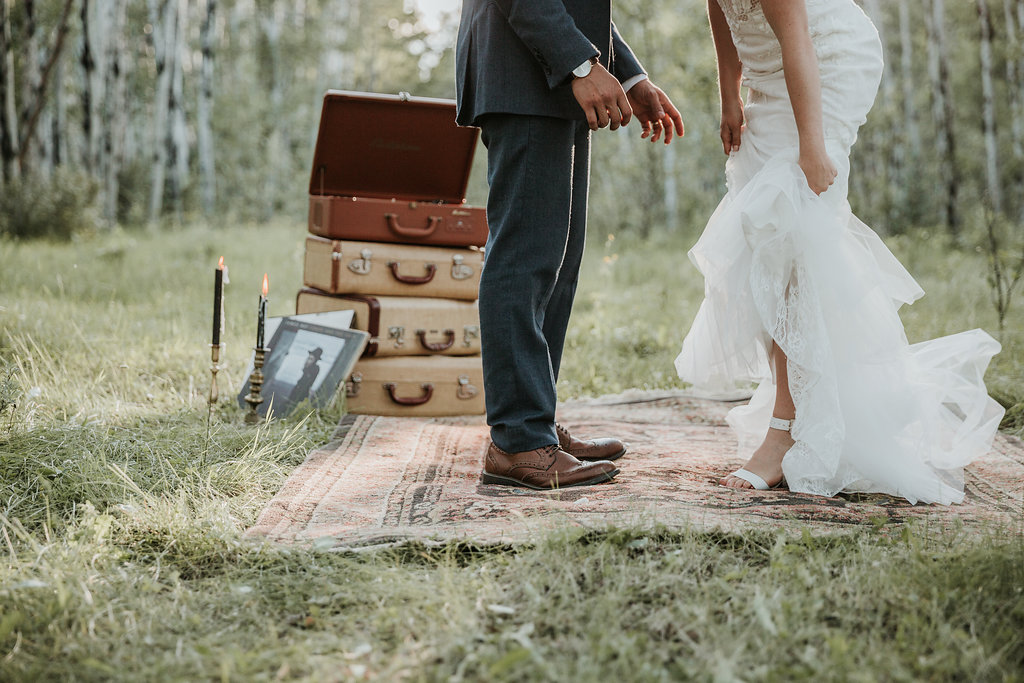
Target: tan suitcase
(404,325)
(340,267)
(416,386)
(390,168)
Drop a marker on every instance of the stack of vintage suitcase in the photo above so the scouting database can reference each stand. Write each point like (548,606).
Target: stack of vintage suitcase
(392,239)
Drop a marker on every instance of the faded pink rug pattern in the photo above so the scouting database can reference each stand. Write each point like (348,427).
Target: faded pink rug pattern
(385,479)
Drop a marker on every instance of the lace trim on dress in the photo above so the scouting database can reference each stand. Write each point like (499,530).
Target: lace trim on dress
(749,26)
(739,12)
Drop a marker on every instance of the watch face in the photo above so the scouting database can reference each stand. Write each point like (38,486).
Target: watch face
(583,70)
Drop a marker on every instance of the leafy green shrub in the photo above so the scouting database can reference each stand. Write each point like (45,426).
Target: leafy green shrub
(52,208)
(133,193)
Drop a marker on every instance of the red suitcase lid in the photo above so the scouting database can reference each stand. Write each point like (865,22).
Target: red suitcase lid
(391,146)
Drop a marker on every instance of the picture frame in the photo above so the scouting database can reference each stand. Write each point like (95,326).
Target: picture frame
(306,360)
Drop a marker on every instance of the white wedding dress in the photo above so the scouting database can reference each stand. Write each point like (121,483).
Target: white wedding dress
(873,413)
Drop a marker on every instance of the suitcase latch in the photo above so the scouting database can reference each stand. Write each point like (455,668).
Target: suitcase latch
(353,385)
(469,333)
(361,266)
(398,335)
(460,271)
(466,390)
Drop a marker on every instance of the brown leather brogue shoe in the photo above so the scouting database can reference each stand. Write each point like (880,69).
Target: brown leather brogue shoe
(594,449)
(548,467)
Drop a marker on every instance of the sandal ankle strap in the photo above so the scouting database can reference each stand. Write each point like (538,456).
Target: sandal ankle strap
(780,424)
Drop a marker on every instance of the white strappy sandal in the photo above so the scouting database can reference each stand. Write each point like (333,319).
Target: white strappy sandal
(754,480)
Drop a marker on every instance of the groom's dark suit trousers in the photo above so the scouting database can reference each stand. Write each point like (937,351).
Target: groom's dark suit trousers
(538,171)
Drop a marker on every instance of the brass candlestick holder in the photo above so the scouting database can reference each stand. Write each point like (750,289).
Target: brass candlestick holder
(254,397)
(214,367)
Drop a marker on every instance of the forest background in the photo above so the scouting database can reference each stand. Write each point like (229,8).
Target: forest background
(149,112)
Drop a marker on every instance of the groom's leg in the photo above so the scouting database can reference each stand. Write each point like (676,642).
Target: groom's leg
(528,210)
(556,319)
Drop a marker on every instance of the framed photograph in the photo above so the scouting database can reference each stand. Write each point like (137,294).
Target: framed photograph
(307,360)
(341,319)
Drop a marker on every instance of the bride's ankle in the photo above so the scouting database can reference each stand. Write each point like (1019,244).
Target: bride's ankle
(778,435)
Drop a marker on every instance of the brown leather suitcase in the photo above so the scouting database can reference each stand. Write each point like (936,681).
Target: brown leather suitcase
(342,267)
(404,326)
(393,168)
(422,386)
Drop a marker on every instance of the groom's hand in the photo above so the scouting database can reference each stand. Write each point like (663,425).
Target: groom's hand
(601,97)
(655,111)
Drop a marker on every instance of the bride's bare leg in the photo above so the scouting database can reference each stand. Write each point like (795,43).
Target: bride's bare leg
(767,459)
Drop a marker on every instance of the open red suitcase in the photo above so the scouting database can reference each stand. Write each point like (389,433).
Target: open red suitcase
(393,168)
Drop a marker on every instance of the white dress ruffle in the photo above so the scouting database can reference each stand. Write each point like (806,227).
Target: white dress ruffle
(873,413)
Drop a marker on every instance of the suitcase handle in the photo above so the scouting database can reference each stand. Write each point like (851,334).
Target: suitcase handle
(410,280)
(432,223)
(428,392)
(440,346)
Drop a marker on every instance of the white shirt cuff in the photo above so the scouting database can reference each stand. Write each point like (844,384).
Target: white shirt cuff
(633,81)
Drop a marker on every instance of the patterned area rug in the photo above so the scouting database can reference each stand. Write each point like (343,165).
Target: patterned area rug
(384,480)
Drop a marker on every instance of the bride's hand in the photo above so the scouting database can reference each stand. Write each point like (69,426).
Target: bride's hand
(732,126)
(818,169)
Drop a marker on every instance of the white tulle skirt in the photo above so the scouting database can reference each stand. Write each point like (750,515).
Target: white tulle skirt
(873,413)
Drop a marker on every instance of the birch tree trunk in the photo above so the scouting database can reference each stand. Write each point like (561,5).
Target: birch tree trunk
(670,188)
(177,132)
(204,111)
(907,79)
(91,96)
(350,17)
(37,80)
(8,109)
(273,18)
(988,109)
(102,103)
(1013,11)
(162,16)
(30,75)
(115,109)
(372,59)
(942,110)
(59,120)
(42,148)
(1012,74)
(886,154)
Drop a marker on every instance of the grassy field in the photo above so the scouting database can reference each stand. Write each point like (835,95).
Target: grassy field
(122,506)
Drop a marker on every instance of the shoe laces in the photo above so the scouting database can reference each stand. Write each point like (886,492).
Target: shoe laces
(562,433)
(550,451)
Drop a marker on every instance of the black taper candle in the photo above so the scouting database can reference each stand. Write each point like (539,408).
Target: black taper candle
(262,313)
(218,300)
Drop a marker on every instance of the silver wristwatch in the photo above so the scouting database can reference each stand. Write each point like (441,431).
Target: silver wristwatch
(583,70)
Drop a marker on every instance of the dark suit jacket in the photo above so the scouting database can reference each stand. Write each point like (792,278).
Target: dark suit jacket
(517,56)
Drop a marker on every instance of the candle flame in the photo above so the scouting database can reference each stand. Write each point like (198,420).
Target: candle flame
(220,264)
(266,284)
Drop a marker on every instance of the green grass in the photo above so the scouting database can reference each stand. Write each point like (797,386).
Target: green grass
(122,506)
